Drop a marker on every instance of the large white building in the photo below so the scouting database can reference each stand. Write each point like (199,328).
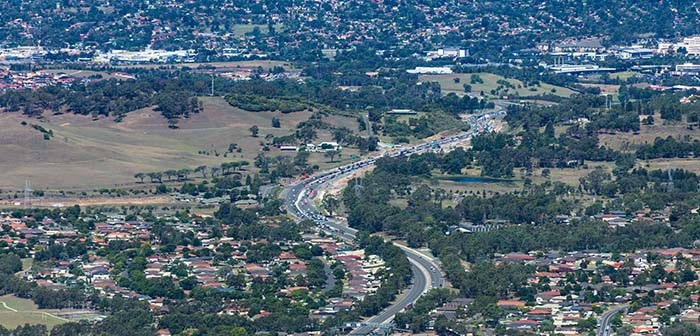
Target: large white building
(636,53)
(687,69)
(690,44)
(145,56)
(430,70)
(446,53)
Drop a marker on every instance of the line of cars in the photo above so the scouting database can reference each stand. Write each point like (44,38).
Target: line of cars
(479,123)
(298,200)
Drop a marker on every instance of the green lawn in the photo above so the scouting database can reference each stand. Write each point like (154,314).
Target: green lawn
(26,264)
(16,312)
(241,29)
(624,75)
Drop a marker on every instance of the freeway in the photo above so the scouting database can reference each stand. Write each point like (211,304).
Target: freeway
(298,199)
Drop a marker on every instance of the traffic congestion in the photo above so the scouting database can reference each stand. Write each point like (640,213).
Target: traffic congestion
(427,274)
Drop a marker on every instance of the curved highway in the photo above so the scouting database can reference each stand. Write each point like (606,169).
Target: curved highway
(604,328)
(426,272)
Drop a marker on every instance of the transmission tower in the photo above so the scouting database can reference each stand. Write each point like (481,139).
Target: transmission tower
(358,187)
(212,83)
(27,194)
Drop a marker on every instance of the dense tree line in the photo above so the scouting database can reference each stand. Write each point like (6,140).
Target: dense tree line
(172,94)
(577,236)
(499,154)
(669,147)
(538,206)
(256,103)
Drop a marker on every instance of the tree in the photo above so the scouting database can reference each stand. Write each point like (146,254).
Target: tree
(330,203)
(680,329)
(276,123)
(161,189)
(202,170)
(341,135)
(170,174)
(301,160)
(31,330)
(593,182)
(140,176)
(254,130)
(155,177)
(183,174)
(332,154)
(546,172)
(71,329)
(152,176)
(262,163)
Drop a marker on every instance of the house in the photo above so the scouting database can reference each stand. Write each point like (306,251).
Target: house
(510,304)
(523,325)
(539,314)
(297,269)
(288,257)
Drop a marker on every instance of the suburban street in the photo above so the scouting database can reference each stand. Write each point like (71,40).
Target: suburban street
(426,272)
(604,329)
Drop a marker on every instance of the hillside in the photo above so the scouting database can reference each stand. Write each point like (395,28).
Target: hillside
(104,153)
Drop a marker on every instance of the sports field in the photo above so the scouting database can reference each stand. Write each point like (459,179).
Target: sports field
(15,312)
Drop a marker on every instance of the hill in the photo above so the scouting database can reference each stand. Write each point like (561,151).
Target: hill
(103,153)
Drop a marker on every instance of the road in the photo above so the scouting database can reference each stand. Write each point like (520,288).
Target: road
(604,329)
(298,199)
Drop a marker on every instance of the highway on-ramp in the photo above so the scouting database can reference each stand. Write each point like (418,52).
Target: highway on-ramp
(298,200)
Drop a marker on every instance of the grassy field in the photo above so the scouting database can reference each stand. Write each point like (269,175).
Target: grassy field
(490,82)
(569,176)
(624,75)
(343,121)
(106,154)
(692,165)
(16,312)
(27,264)
(241,29)
(80,73)
(647,134)
(469,188)
(605,89)
(86,154)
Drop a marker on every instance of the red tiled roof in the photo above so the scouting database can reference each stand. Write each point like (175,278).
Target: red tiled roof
(511,303)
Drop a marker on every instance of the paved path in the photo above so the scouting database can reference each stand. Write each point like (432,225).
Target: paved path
(4,305)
